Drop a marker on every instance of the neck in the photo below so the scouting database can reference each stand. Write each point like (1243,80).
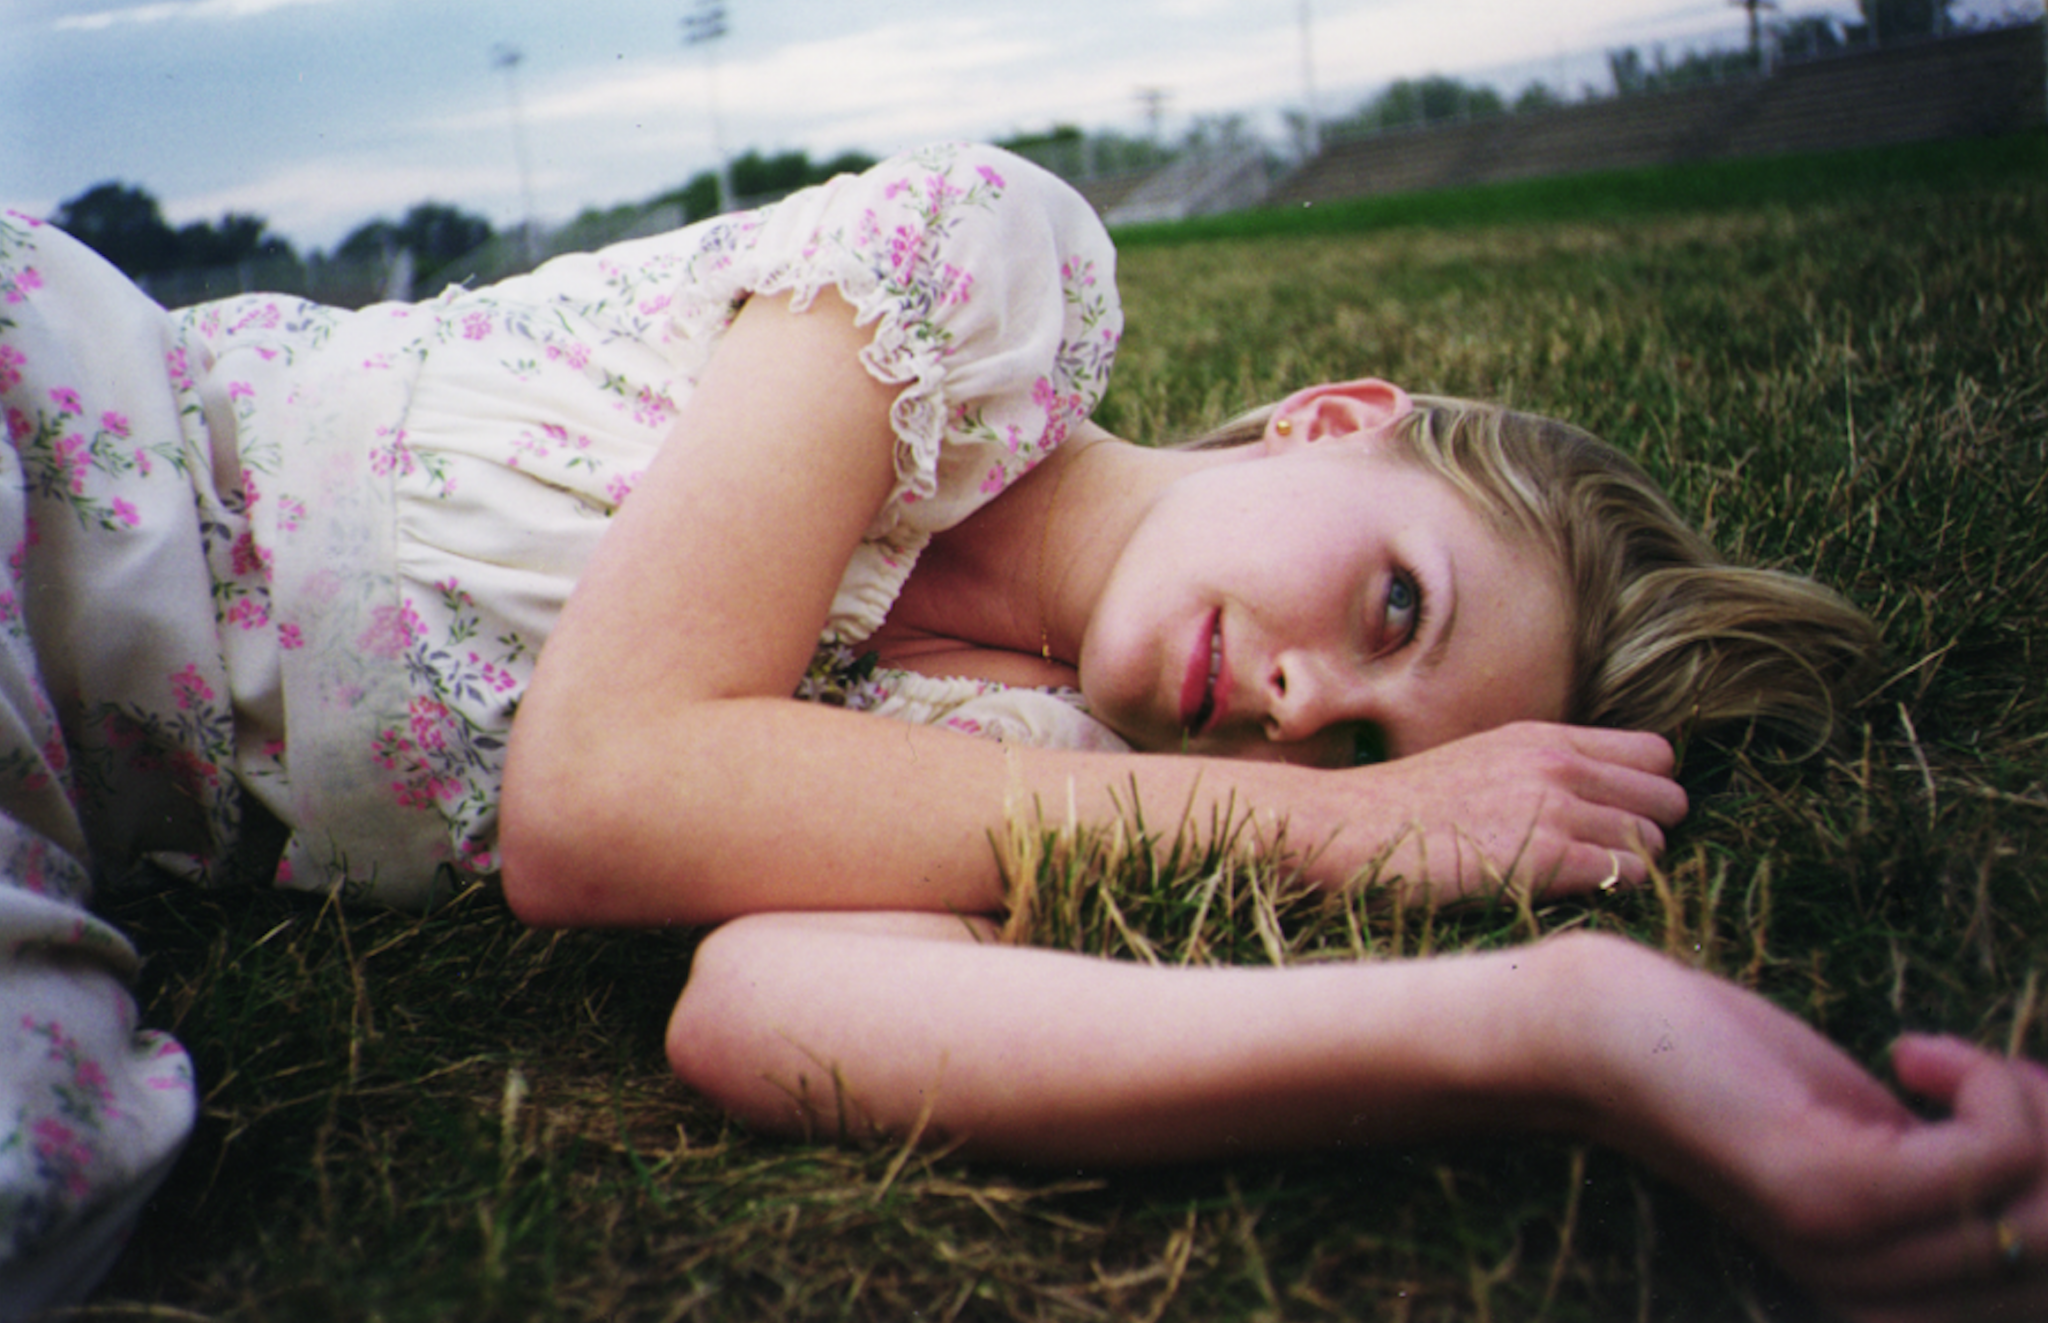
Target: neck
(1023,574)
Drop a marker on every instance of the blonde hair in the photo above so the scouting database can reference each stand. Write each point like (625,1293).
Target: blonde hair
(1670,636)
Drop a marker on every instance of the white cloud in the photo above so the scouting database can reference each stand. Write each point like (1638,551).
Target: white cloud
(166,10)
(319,203)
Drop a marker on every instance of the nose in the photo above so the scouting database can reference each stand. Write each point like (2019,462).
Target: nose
(1310,692)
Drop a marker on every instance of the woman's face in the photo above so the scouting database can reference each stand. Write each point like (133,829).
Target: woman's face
(1320,601)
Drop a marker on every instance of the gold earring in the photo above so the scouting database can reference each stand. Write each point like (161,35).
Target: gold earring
(1284,426)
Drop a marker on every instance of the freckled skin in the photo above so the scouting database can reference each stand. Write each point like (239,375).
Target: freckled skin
(1298,551)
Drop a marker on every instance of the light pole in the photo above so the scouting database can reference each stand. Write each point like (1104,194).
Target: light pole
(1756,28)
(507,57)
(1313,140)
(704,28)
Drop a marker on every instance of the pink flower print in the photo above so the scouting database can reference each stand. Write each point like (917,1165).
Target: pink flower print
(1057,408)
(12,360)
(56,755)
(74,456)
(956,286)
(246,558)
(650,307)
(241,390)
(575,355)
(396,456)
(193,773)
(273,749)
(285,872)
(392,630)
(32,869)
(651,408)
(491,675)
(248,613)
(120,732)
(264,316)
(143,464)
(995,481)
(621,486)
(26,281)
(93,1079)
(10,608)
(179,368)
(189,688)
(126,512)
(389,749)
(59,1148)
(18,425)
(290,638)
(895,187)
(66,400)
(990,177)
(454,595)
(410,797)
(290,514)
(476,326)
(905,247)
(430,724)
(115,423)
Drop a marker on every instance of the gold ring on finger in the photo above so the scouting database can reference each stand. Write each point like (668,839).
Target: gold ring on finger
(2012,1251)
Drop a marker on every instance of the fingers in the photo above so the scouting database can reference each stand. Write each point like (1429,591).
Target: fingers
(1636,779)
(1967,1196)
(1629,748)
(1571,808)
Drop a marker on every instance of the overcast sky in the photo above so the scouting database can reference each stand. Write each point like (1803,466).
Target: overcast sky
(321,114)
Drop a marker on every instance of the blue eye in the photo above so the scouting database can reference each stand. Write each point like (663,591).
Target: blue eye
(1404,608)
(1368,744)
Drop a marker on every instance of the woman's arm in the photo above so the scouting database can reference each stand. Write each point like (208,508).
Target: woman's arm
(906,1026)
(660,774)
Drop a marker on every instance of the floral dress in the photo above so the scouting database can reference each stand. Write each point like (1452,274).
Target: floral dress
(278,575)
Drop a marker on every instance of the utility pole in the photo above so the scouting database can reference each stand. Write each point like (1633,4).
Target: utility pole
(1756,30)
(1313,141)
(706,27)
(507,57)
(1153,99)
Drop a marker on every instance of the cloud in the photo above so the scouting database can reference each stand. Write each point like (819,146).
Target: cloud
(319,202)
(164,11)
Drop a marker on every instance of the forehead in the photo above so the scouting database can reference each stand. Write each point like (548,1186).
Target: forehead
(1506,649)
(1513,657)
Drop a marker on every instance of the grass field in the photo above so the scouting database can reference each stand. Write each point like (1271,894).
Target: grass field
(1839,365)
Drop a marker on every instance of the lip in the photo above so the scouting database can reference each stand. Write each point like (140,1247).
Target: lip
(1201,697)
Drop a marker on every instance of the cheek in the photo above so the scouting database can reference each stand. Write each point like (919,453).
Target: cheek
(1115,674)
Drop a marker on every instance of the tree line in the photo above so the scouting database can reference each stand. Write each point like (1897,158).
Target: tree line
(126,225)
(1436,99)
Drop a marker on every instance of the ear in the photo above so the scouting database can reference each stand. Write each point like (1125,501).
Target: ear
(1366,409)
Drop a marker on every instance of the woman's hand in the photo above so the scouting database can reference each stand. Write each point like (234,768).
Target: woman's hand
(1884,1216)
(1557,809)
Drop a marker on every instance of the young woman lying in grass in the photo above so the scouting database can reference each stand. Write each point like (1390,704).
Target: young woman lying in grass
(1418,640)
